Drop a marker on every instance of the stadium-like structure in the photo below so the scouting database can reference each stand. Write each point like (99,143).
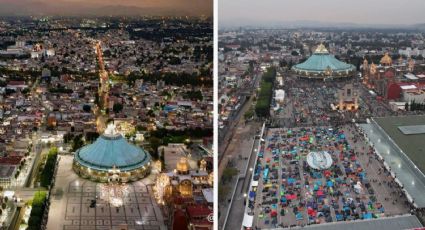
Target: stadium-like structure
(323,65)
(112,159)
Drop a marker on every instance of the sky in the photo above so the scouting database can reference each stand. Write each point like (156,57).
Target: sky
(366,12)
(107,7)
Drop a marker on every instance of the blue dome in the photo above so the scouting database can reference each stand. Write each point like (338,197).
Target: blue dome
(112,151)
(321,61)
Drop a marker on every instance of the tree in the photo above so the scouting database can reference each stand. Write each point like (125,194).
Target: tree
(117,107)
(49,168)
(193,95)
(91,136)
(228,174)
(87,108)
(38,206)
(77,142)
(150,113)
(154,143)
(406,106)
(294,53)
(262,107)
(175,61)
(249,114)
(162,159)
(96,98)
(68,137)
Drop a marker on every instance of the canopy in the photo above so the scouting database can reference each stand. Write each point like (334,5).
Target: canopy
(367,216)
(247,221)
(291,196)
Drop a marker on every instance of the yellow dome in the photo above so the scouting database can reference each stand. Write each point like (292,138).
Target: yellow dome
(321,49)
(386,60)
(372,68)
(183,165)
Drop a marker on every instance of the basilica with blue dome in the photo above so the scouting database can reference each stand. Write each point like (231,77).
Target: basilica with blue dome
(323,65)
(112,159)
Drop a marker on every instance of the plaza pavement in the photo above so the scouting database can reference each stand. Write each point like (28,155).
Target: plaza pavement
(72,196)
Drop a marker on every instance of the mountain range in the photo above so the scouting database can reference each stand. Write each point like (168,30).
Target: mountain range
(105,8)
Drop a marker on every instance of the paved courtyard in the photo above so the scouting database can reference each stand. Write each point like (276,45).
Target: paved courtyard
(292,193)
(72,198)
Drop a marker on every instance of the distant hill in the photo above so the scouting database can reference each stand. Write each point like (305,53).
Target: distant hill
(87,8)
(420,27)
(314,24)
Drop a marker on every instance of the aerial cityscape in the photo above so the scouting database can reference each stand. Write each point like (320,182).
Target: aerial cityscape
(320,117)
(106,121)
(212,114)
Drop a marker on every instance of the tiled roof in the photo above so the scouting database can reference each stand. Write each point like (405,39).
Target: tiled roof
(107,152)
(321,61)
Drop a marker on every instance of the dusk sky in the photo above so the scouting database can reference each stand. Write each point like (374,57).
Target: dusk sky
(106,7)
(251,12)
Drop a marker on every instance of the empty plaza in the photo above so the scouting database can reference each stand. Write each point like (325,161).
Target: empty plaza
(82,204)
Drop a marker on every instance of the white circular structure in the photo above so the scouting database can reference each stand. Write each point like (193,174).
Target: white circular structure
(319,160)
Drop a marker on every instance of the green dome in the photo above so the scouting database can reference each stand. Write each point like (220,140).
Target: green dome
(321,62)
(110,151)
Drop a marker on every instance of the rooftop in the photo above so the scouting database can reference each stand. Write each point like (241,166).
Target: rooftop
(6,171)
(389,223)
(412,145)
(112,150)
(322,61)
(390,145)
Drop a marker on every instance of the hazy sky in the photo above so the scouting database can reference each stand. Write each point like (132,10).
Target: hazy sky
(106,7)
(243,12)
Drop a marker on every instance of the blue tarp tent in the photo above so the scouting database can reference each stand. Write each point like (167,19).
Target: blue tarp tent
(367,216)
(299,216)
(251,194)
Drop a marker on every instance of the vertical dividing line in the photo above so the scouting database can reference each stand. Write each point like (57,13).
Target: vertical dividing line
(215,112)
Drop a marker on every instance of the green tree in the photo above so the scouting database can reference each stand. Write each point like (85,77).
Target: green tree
(68,137)
(91,136)
(87,108)
(117,107)
(228,174)
(154,143)
(262,107)
(77,142)
(49,168)
(38,207)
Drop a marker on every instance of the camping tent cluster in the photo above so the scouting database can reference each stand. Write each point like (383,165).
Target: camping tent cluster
(301,194)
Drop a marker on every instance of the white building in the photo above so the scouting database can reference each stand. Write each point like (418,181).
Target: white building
(279,96)
(411,52)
